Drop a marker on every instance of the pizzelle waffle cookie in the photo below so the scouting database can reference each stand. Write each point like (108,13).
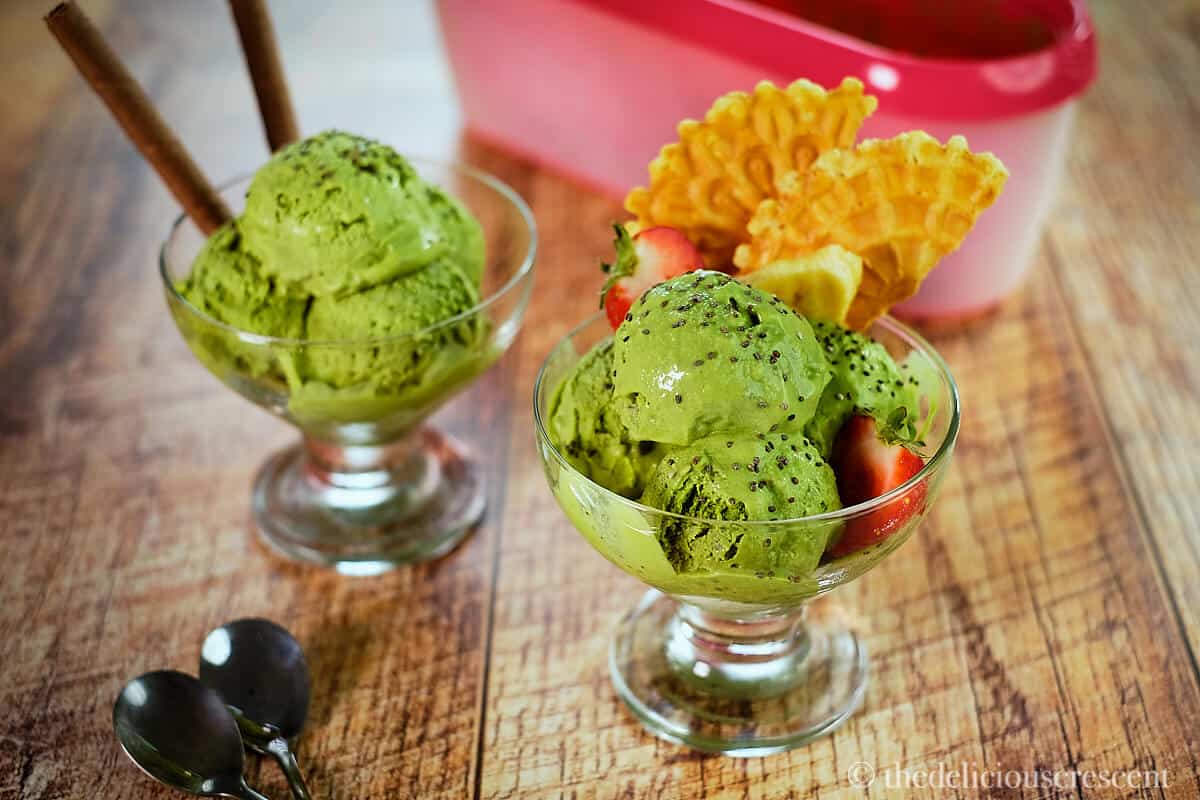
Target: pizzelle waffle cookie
(709,183)
(900,204)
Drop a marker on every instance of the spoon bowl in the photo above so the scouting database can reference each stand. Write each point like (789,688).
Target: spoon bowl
(259,668)
(180,733)
(260,672)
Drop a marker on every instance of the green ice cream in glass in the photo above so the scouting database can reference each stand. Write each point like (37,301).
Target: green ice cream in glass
(707,447)
(353,294)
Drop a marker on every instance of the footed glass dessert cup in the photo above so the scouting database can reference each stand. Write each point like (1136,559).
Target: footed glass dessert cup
(369,486)
(732,662)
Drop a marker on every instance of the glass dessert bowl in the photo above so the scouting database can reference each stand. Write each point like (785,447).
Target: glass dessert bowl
(721,656)
(369,486)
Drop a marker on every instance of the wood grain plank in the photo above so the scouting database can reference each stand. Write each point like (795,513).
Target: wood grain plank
(1023,628)
(1026,627)
(1124,244)
(1044,618)
(125,469)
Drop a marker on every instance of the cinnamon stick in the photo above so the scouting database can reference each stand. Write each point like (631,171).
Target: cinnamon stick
(136,115)
(266,71)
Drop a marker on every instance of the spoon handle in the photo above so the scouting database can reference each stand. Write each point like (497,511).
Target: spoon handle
(244,792)
(291,770)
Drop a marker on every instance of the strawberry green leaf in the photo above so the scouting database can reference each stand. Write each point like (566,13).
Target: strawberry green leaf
(625,264)
(899,428)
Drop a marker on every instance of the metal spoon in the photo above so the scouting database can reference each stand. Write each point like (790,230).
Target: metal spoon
(180,733)
(258,668)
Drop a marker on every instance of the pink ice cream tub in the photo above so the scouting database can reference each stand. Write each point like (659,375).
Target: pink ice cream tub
(594,88)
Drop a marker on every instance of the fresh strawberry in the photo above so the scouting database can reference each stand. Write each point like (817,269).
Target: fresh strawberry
(644,260)
(869,462)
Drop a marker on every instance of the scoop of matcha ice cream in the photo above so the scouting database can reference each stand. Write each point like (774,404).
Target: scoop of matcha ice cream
(864,380)
(337,213)
(407,305)
(227,283)
(341,241)
(738,478)
(741,399)
(461,232)
(411,353)
(703,353)
(586,427)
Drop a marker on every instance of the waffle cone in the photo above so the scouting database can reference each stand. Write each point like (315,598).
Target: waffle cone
(708,184)
(900,204)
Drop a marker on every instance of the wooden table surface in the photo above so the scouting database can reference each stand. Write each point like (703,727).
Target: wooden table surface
(1047,617)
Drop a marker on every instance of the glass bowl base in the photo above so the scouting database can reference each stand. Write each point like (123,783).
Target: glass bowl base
(365,510)
(737,697)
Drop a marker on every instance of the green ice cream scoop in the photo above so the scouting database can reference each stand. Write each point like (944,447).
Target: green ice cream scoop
(703,353)
(724,477)
(585,426)
(391,313)
(409,360)
(337,213)
(462,233)
(865,380)
(228,284)
(345,249)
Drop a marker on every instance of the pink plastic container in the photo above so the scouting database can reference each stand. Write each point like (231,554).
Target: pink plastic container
(595,87)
